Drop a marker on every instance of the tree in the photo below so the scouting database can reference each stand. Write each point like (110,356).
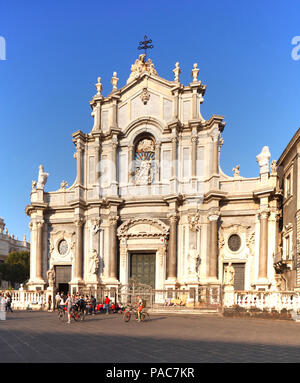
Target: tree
(22,257)
(16,268)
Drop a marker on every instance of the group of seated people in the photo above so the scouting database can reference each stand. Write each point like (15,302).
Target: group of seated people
(179,301)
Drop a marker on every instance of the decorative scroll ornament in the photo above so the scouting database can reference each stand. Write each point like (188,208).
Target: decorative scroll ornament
(145,96)
(145,145)
(193,220)
(274,167)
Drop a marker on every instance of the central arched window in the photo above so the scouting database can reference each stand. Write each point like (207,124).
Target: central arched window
(144,159)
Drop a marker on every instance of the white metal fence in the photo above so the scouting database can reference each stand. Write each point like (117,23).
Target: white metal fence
(263,300)
(267,300)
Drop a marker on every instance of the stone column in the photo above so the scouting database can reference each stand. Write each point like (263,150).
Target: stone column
(176,102)
(157,159)
(174,157)
(213,246)
(263,245)
(114,158)
(39,249)
(172,254)
(114,113)
(194,107)
(78,156)
(130,163)
(194,154)
(97,164)
(215,157)
(78,270)
(113,247)
(124,274)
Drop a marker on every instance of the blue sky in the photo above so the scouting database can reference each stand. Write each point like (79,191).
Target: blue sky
(55,50)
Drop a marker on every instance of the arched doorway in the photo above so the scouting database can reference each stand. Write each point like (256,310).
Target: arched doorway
(143,243)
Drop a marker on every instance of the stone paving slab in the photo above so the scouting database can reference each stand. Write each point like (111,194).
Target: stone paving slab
(27,337)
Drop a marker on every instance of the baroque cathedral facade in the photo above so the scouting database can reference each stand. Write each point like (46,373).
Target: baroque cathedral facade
(150,202)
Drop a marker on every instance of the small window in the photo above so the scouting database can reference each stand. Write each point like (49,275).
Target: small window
(63,247)
(234,242)
(288,186)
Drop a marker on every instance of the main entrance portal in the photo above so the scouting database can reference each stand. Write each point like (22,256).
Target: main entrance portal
(142,268)
(62,278)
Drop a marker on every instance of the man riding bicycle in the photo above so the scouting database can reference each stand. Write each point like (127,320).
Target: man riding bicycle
(139,307)
(81,304)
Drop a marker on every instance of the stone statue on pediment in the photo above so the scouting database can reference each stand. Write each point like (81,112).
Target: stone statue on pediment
(43,176)
(236,171)
(263,159)
(141,66)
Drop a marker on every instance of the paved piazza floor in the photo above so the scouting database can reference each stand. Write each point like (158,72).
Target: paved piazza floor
(41,337)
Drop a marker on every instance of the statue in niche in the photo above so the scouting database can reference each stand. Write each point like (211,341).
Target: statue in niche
(144,174)
(51,276)
(193,259)
(93,262)
(229,273)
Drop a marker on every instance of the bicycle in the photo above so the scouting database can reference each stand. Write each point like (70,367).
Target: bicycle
(77,314)
(74,313)
(61,313)
(133,311)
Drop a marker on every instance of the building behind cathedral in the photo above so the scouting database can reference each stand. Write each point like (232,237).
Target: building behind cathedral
(150,202)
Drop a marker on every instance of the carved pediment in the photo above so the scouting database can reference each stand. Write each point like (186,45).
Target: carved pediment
(143,227)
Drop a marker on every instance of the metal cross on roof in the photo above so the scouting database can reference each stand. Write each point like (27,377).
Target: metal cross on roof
(145,44)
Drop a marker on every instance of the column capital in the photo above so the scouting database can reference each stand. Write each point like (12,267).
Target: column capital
(79,221)
(213,215)
(173,218)
(215,134)
(264,213)
(79,145)
(113,220)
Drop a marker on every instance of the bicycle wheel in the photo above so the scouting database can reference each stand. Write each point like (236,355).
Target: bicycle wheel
(127,316)
(61,315)
(145,317)
(75,315)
